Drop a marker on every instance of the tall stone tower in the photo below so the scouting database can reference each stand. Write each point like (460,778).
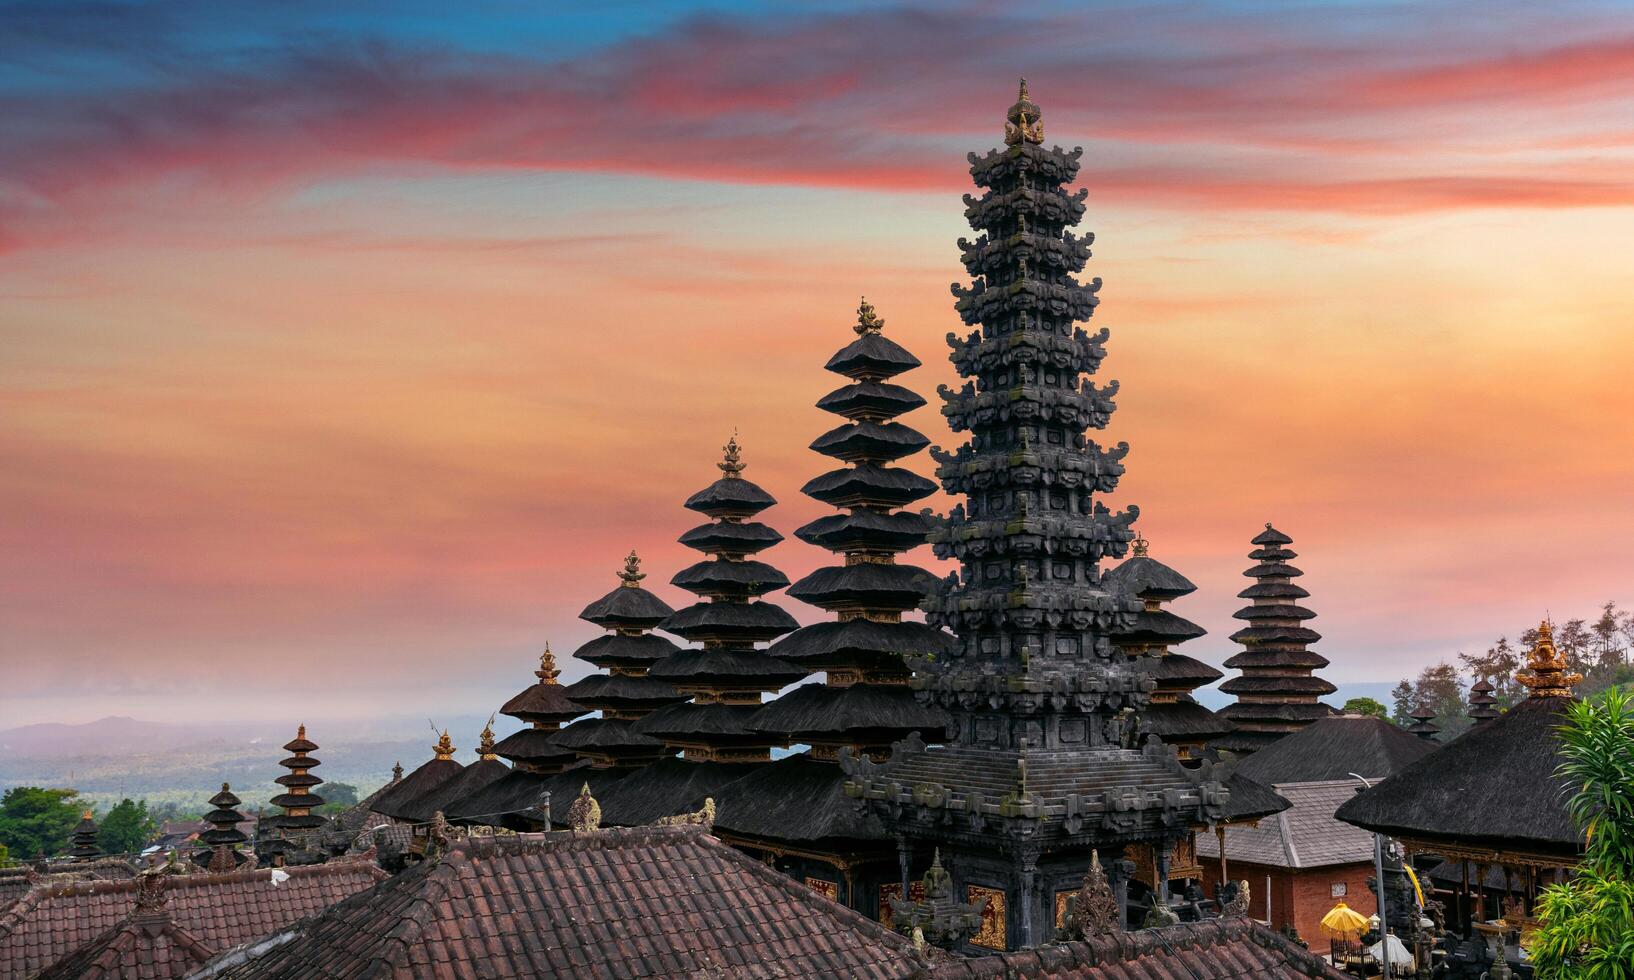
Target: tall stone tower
(1041,768)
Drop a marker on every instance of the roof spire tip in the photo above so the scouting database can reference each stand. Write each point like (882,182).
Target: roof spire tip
(733,465)
(867,320)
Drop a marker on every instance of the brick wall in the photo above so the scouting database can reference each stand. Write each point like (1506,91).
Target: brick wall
(1301,897)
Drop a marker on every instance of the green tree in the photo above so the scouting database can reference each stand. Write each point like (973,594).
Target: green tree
(1366,706)
(38,821)
(337,797)
(5,856)
(126,829)
(1402,696)
(1587,930)
(1498,666)
(1440,689)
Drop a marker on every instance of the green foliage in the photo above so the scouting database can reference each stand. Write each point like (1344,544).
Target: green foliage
(337,797)
(126,829)
(1402,697)
(1588,922)
(35,820)
(1366,706)
(5,857)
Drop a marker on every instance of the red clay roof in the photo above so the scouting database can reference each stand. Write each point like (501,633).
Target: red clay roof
(629,902)
(55,920)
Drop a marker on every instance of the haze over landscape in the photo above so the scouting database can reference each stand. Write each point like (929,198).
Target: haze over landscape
(345,360)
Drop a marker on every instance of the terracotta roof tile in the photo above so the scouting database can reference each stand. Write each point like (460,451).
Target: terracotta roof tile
(55,920)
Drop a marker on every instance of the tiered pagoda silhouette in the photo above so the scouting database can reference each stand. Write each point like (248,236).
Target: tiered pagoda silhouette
(1041,768)
(794,811)
(1278,689)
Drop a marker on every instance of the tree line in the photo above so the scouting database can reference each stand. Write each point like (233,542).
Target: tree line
(39,822)
(1599,648)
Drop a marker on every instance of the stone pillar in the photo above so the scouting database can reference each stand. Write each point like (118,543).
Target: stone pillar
(904,856)
(1027,872)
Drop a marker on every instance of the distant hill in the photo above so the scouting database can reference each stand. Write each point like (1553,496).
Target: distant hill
(187,762)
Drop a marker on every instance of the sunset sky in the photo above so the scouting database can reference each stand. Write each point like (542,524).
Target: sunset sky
(345,354)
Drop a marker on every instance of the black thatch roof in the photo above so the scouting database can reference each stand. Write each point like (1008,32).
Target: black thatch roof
(1147,577)
(741,669)
(870,442)
(719,576)
(872,356)
(885,486)
(1274,590)
(1160,626)
(862,642)
(630,608)
(533,745)
(622,650)
(417,783)
(472,779)
(624,691)
(795,799)
(1251,800)
(1335,747)
(730,496)
(515,800)
(1259,657)
(1275,634)
(750,622)
(870,399)
(1277,684)
(862,712)
(1271,536)
(743,538)
(714,720)
(840,532)
(666,788)
(1173,670)
(897,587)
(1492,786)
(1182,720)
(610,736)
(545,702)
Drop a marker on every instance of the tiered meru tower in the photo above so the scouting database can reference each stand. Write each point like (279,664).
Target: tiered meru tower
(625,694)
(1041,768)
(293,836)
(1277,691)
(727,676)
(1173,714)
(794,811)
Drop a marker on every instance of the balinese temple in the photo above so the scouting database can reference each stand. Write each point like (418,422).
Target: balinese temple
(515,800)
(1483,701)
(293,836)
(1041,768)
(458,788)
(1278,690)
(1424,725)
(219,846)
(625,694)
(1173,714)
(725,677)
(794,811)
(1490,798)
(84,839)
(430,774)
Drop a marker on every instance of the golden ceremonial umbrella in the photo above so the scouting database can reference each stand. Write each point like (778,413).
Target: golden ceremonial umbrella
(1343,921)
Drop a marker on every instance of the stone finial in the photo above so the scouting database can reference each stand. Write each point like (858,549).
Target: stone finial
(444,749)
(632,575)
(547,672)
(397,772)
(867,320)
(584,815)
(938,883)
(150,892)
(1094,910)
(1024,123)
(1139,546)
(1545,672)
(222,860)
(1238,906)
(733,466)
(485,741)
